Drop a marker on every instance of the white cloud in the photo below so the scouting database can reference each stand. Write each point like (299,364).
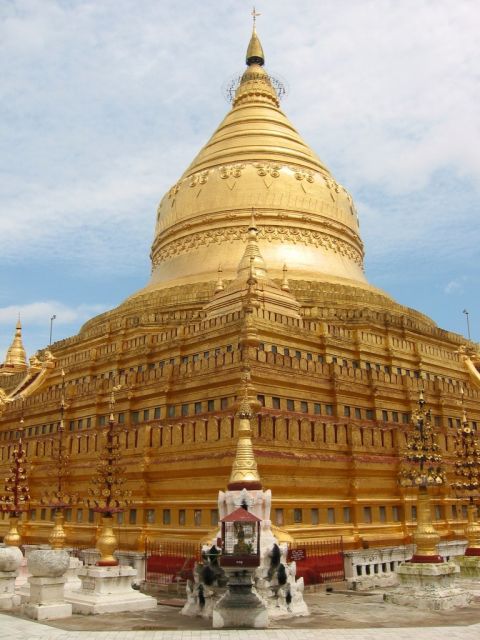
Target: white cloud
(35,318)
(104,104)
(454,287)
(39,313)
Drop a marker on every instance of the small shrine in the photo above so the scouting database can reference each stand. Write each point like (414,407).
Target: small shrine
(240,606)
(240,539)
(245,577)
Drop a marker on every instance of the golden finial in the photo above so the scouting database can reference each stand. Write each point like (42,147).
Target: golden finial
(220,286)
(255,15)
(255,53)
(285,286)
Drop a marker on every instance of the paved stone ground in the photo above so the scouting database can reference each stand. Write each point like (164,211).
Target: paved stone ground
(336,616)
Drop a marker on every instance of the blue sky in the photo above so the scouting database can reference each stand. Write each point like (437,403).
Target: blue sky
(104,103)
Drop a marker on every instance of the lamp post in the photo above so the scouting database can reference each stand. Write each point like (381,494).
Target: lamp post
(468,322)
(54,317)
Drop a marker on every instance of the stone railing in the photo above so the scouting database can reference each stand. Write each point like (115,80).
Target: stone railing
(370,568)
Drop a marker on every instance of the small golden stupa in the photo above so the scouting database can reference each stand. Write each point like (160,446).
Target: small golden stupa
(16,358)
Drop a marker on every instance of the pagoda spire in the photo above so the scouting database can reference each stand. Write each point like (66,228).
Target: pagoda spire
(255,85)
(219,286)
(16,358)
(244,469)
(252,258)
(255,53)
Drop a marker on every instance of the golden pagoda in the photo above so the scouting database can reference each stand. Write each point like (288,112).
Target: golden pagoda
(257,265)
(16,358)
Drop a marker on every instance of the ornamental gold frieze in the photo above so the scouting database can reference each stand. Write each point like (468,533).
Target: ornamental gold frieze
(271,233)
(265,218)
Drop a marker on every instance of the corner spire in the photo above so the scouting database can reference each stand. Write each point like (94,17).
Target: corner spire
(16,358)
(219,286)
(285,286)
(252,259)
(244,469)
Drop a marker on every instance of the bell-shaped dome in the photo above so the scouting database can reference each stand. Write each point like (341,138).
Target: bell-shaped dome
(256,160)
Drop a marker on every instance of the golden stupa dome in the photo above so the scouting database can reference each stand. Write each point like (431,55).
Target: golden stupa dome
(256,160)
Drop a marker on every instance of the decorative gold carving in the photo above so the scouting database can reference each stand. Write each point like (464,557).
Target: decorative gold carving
(270,233)
(107,542)
(302,174)
(353,208)
(264,169)
(231,171)
(471,360)
(198,178)
(472,530)
(173,191)
(58,536)
(34,378)
(331,184)
(3,400)
(425,537)
(13,538)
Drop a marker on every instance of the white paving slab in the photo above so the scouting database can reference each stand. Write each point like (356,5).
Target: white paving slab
(18,629)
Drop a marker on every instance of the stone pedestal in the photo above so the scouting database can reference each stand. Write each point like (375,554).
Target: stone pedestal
(239,607)
(46,596)
(8,598)
(134,559)
(46,600)
(10,560)
(73,582)
(108,590)
(469,567)
(428,586)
